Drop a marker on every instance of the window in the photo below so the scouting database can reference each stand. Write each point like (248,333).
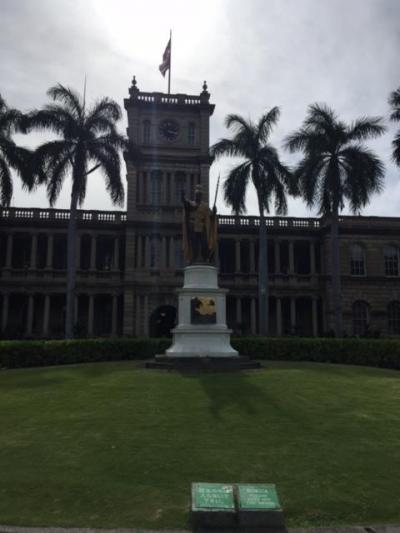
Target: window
(393,315)
(191,133)
(146,131)
(391,254)
(357,261)
(155,187)
(360,318)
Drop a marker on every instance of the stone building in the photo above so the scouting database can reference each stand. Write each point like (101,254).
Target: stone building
(130,263)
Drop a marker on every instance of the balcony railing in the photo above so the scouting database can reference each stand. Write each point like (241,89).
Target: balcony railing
(19,213)
(174,212)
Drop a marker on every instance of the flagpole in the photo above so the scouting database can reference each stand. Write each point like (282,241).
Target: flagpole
(170,57)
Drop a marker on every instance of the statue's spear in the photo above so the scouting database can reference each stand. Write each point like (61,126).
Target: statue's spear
(216,190)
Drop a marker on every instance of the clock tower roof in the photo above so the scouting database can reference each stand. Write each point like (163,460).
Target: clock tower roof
(171,102)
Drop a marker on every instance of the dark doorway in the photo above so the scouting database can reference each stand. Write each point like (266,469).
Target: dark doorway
(162,320)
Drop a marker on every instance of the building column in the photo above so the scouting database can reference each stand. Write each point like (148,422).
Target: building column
(238,267)
(146,315)
(279,317)
(29,322)
(114,315)
(116,254)
(252,256)
(163,263)
(291,258)
(33,262)
(315,316)
(163,188)
(238,310)
(293,316)
(76,308)
(78,252)
(138,317)
(277,248)
(4,314)
(91,315)
(172,265)
(46,315)
(9,250)
(93,248)
(49,251)
(312,258)
(253,316)
(128,313)
(146,251)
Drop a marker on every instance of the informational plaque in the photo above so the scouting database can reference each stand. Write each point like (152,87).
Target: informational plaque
(260,496)
(212,496)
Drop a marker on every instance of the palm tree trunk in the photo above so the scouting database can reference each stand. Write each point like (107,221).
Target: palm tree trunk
(71,269)
(263,302)
(336,281)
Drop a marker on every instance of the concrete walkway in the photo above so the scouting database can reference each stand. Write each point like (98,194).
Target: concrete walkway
(354,529)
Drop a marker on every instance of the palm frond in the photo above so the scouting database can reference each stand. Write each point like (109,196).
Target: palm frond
(225,147)
(68,97)
(394,99)
(107,156)
(364,128)
(6,186)
(364,175)
(396,148)
(266,123)
(104,110)
(238,122)
(235,186)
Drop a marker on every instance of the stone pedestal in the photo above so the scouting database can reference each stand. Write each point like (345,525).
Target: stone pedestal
(201,329)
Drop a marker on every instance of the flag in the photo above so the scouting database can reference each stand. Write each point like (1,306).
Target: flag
(166,59)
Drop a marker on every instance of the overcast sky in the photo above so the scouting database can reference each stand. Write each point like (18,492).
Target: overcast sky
(254,54)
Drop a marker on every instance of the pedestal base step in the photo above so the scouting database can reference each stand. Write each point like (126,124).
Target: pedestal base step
(202,364)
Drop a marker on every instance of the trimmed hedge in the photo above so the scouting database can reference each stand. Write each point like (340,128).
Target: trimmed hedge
(383,353)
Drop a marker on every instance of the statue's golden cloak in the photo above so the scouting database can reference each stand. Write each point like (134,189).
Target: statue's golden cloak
(201,219)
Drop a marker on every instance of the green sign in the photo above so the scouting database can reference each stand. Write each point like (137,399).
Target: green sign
(212,496)
(258,497)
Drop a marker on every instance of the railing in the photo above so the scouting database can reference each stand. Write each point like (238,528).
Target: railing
(174,99)
(17,213)
(275,222)
(120,217)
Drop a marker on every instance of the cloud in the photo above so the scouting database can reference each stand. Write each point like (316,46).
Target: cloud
(254,55)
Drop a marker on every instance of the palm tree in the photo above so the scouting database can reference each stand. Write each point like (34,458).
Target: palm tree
(270,177)
(394,101)
(88,141)
(11,155)
(336,167)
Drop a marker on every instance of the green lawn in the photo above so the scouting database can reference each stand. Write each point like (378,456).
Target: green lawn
(110,444)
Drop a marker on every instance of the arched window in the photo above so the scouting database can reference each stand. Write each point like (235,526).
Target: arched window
(146,131)
(155,187)
(357,260)
(391,254)
(191,133)
(393,316)
(360,317)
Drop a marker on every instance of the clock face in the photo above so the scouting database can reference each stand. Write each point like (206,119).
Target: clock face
(169,130)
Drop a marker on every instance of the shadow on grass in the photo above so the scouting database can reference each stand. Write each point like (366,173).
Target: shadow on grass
(234,391)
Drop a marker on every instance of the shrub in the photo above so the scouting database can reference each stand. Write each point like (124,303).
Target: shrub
(383,353)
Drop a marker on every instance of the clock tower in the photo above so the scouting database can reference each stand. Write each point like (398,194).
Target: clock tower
(171,134)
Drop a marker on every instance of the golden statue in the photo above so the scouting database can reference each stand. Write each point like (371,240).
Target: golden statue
(199,229)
